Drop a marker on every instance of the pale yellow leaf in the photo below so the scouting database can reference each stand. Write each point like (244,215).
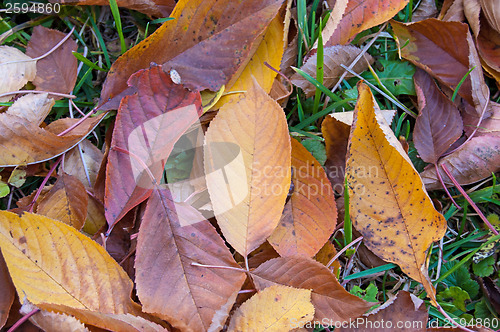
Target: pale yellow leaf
(16,69)
(34,107)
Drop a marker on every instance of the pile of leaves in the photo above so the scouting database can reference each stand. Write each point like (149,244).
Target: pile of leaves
(260,165)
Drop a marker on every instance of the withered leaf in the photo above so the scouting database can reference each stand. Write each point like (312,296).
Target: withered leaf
(156,8)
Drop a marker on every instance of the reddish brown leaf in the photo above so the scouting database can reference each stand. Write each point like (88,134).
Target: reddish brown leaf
(405,312)
(491,9)
(472,162)
(66,201)
(490,124)
(361,15)
(148,124)
(438,124)
(336,134)
(57,71)
(172,237)
(446,51)
(311,214)
(156,8)
(92,159)
(330,299)
(204,43)
(8,292)
(488,45)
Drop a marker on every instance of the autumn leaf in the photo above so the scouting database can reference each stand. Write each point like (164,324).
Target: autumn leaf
(276,308)
(206,53)
(32,107)
(438,124)
(310,215)
(388,203)
(148,124)
(56,72)
(83,162)
(52,321)
(331,301)
(248,144)
(16,69)
(7,294)
(168,285)
(58,257)
(156,8)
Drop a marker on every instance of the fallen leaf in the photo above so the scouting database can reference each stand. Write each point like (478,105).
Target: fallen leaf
(310,215)
(388,203)
(438,124)
(247,148)
(334,56)
(325,254)
(16,69)
(490,124)
(67,202)
(361,15)
(32,107)
(138,141)
(168,285)
(56,72)
(58,257)
(426,9)
(331,301)
(404,312)
(205,46)
(155,8)
(92,159)
(338,10)
(25,143)
(491,10)
(452,11)
(488,45)
(95,216)
(7,294)
(472,162)
(52,321)
(276,308)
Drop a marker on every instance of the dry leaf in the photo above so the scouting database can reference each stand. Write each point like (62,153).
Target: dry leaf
(338,10)
(156,8)
(247,162)
(331,300)
(67,201)
(16,69)
(426,9)
(388,203)
(276,308)
(52,321)
(491,9)
(92,159)
(310,215)
(56,72)
(8,292)
(33,107)
(334,56)
(490,124)
(58,257)
(168,285)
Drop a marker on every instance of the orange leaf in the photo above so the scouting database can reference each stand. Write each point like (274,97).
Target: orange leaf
(156,8)
(311,214)
(171,237)
(388,203)
(331,300)
(247,162)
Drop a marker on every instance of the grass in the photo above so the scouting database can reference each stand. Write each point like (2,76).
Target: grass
(98,27)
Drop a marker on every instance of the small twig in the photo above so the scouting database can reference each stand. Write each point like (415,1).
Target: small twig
(37,91)
(77,123)
(440,259)
(445,188)
(343,250)
(471,202)
(23,319)
(282,75)
(220,267)
(455,324)
(39,191)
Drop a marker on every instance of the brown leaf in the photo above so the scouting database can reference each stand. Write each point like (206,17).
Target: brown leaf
(490,124)
(334,56)
(26,143)
(331,300)
(57,71)
(95,216)
(361,15)
(15,70)
(34,107)
(203,44)
(156,8)
(491,10)
(336,134)
(168,285)
(92,159)
(438,124)
(446,51)
(488,45)
(325,254)
(8,292)
(66,201)
(148,124)
(452,10)
(388,203)
(472,162)
(310,215)
(426,9)
(248,143)
(405,312)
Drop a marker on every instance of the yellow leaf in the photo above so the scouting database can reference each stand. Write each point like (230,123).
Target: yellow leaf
(16,69)
(276,308)
(247,162)
(51,262)
(388,202)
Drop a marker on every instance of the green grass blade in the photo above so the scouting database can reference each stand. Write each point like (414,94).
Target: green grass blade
(314,82)
(118,22)
(460,83)
(368,272)
(101,41)
(319,70)
(323,113)
(88,62)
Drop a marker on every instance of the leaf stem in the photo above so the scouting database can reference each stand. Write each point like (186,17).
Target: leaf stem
(38,192)
(445,188)
(77,123)
(37,91)
(23,319)
(220,267)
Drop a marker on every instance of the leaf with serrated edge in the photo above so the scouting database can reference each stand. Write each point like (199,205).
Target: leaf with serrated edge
(276,308)
(32,107)
(49,263)
(7,294)
(388,203)
(167,284)
(311,214)
(248,144)
(330,299)
(16,70)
